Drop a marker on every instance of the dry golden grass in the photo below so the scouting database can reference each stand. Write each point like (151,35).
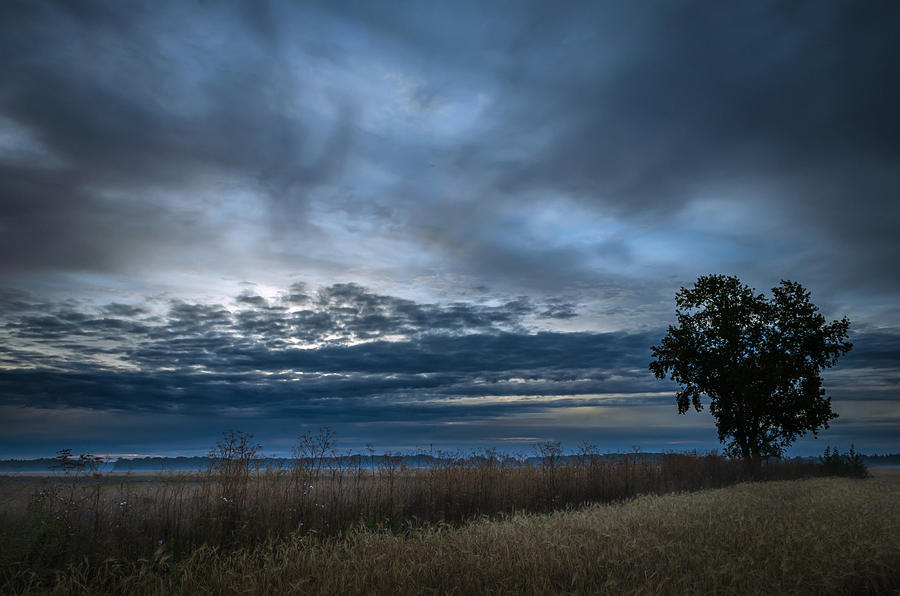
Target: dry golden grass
(49,523)
(813,536)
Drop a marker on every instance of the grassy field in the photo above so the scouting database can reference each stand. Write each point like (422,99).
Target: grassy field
(47,524)
(811,536)
(473,523)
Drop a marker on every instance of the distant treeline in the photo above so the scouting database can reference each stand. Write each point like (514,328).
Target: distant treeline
(888,459)
(190,464)
(425,460)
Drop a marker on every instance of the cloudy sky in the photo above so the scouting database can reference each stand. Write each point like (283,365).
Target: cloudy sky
(457,224)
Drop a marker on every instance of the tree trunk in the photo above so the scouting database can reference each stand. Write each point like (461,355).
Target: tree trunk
(756,463)
(752,460)
(745,448)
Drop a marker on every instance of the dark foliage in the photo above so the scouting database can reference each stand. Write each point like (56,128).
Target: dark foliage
(844,464)
(757,359)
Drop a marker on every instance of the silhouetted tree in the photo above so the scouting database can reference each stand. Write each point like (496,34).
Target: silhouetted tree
(757,359)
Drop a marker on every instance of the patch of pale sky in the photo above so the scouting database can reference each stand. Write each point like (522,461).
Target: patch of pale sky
(560,222)
(18,145)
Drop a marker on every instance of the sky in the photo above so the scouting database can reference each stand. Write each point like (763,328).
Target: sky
(448,225)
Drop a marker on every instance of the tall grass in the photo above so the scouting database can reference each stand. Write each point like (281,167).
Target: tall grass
(813,536)
(235,502)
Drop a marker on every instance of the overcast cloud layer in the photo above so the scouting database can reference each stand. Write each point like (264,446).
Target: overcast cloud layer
(416,222)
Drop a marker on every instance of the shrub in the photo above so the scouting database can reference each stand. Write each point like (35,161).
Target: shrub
(844,464)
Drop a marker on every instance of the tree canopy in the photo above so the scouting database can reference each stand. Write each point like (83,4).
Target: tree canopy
(758,359)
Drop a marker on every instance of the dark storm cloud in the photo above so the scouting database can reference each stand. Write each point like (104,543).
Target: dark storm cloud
(124,310)
(13,300)
(376,378)
(68,324)
(558,309)
(785,110)
(874,349)
(252,300)
(367,315)
(338,313)
(200,356)
(124,109)
(296,294)
(205,358)
(704,91)
(631,112)
(512,353)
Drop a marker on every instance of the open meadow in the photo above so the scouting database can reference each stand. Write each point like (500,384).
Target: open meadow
(678,523)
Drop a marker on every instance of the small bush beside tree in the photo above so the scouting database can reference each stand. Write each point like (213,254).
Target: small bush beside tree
(844,464)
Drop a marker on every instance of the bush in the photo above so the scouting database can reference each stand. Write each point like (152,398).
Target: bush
(844,464)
